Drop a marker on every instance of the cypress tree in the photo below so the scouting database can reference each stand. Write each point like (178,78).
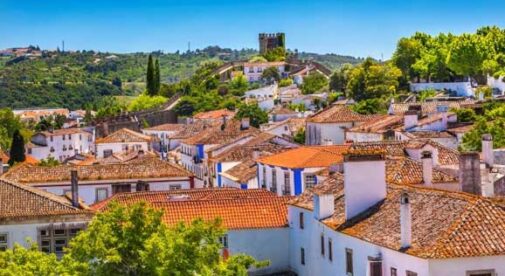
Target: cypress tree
(157,77)
(150,77)
(17,152)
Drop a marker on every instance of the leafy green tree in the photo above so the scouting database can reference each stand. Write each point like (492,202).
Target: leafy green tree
(144,102)
(339,78)
(150,81)
(472,139)
(255,114)
(429,93)
(370,106)
(276,54)
(408,51)
(465,115)
(299,136)
(185,107)
(156,77)
(17,152)
(313,83)
(467,53)
(285,82)
(49,162)
(239,82)
(29,261)
(116,81)
(270,74)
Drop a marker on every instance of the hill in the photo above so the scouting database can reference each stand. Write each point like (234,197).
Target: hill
(72,79)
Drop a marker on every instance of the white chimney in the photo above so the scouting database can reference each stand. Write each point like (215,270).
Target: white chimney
(487,149)
(244,123)
(410,119)
(364,181)
(324,205)
(405,221)
(427,161)
(256,153)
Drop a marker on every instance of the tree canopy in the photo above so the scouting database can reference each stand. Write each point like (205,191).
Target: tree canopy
(254,113)
(313,83)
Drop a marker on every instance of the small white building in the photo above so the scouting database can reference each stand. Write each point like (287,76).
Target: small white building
(281,113)
(100,181)
(48,220)
(287,128)
(255,220)
(61,144)
(123,140)
(329,125)
(254,70)
(293,171)
(164,135)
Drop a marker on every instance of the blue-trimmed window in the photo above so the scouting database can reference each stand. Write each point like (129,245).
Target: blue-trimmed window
(310,181)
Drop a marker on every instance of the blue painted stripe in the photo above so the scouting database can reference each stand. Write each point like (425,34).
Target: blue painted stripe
(243,186)
(219,170)
(200,151)
(298,180)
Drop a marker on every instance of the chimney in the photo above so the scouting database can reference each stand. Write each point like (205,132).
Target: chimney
(256,153)
(427,161)
(405,221)
(410,119)
(140,153)
(324,205)
(1,166)
(223,126)
(74,188)
(364,181)
(244,123)
(469,173)
(487,149)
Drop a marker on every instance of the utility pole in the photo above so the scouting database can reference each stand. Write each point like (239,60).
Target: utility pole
(63,46)
(189,46)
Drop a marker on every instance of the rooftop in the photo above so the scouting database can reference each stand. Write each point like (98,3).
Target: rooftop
(428,107)
(242,172)
(214,114)
(307,157)
(166,127)
(138,169)
(379,125)
(124,135)
(337,114)
(18,201)
(218,135)
(444,224)
(64,131)
(238,209)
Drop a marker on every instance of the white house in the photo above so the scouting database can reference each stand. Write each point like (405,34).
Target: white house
(99,181)
(61,143)
(328,126)
(241,176)
(281,113)
(382,128)
(164,134)
(287,128)
(292,171)
(265,96)
(48,220)
(255,220)
(123,140)
(287,94)
(362,225)
(254,70)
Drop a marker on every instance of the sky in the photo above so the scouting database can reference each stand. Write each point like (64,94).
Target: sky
(349,27)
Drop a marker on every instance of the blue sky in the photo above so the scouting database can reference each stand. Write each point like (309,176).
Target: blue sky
(351,27)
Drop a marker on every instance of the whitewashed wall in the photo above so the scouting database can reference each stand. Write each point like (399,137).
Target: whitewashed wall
(363,136)
(323,133)
(85,144)
(463,89)
(118,147)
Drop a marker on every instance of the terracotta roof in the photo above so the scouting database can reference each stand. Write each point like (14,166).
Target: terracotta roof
(120,157)
(307,157)
(337,114)
(268,64)
(429,107)
(124,135)
(444,224)
(429,134)
(403,170)
(242,172)
(281,110)
(217,135)
(294,124)
(214,114)
(193,129)
(446,156)
(138,169)
(380,124)
(461,129)
(166,127)
(21,201)
(238,209)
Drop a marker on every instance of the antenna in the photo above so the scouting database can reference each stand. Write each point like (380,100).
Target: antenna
(189,46)
(63,46)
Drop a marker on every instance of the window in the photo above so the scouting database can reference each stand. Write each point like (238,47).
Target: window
(330,249)
(175,187)
(4,239)
(121,188)
(411,273)
(301,220)
(55,239)
(302,256)
(322,244)
(107,153)
(394,272)
(375,266)
(70,137)
(51,149)
(125,147)
(274,181)
(51,138)
(287,184)
(310,181)
(264,182)
(80,137)
(101,194)
(63,137)
(64,148)
(486,272)
(348,261)
(224,241)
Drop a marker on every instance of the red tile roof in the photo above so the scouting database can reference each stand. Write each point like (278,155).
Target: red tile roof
(214,114)
(307,157)
(380,124)
(238,209)
(166,127)
(337,114)
(217,135)
(124,135)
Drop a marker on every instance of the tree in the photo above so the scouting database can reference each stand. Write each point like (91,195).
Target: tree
(276,54)
(28,261)
(467,55)
(465,115)
(255,114)
(239,82)
(408,51)
(17,152)
(185,106)
(49,162)
(299,136)
(144,102)
(339,78)
(157,77)
(116,81)
(270,74)
(150,81)
(285,82)
(133,240)
(313,83)
(370,106)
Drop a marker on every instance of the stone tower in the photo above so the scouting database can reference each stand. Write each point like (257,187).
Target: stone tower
(271,41)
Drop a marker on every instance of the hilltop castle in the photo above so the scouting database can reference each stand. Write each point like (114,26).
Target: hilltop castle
(271,41)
